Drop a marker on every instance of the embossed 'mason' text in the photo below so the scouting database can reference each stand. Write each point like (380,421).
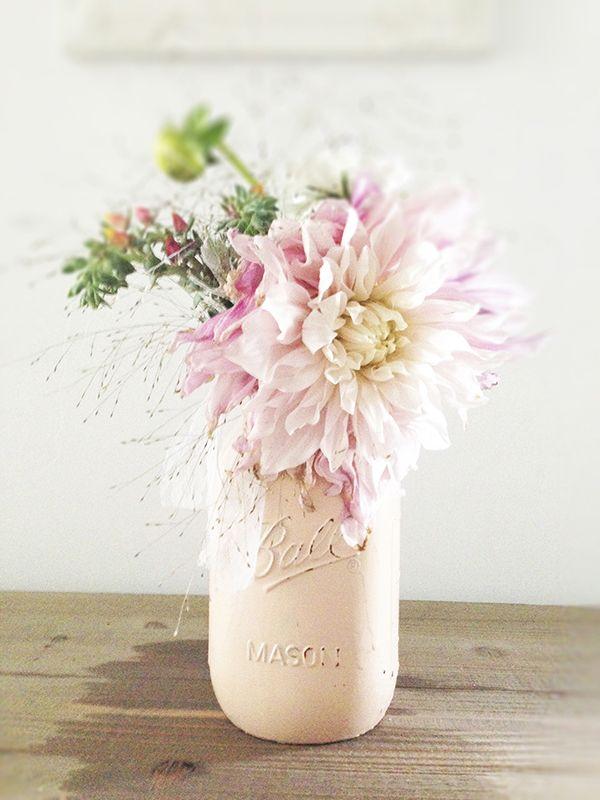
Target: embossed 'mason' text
(291,655)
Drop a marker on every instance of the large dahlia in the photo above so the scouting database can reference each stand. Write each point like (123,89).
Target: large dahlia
(352,331)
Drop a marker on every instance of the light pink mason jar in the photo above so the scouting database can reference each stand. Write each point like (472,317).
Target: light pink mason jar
(306,650)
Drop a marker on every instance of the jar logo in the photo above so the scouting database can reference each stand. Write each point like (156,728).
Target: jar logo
(284,554)
(291,655)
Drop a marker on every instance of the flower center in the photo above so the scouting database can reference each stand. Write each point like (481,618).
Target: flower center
(371,333)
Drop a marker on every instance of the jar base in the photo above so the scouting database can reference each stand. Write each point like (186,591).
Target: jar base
(307,740)
(313,717)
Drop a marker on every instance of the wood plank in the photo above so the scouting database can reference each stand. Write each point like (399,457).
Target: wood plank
(99,701)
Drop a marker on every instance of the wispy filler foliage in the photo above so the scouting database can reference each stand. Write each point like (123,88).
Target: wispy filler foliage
(199,260)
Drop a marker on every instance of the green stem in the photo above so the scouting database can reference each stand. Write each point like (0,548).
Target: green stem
(239,165)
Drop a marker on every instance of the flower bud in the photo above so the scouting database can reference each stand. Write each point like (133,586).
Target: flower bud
(178,156)
(171,247)
(179,223)
(119,239)
(143,215)
(119,222)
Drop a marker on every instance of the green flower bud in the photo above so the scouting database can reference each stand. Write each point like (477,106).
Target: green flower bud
(178,156)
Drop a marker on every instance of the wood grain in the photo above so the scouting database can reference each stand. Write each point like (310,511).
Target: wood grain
(98,701)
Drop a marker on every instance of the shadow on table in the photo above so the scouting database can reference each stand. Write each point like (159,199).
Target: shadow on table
(154,727)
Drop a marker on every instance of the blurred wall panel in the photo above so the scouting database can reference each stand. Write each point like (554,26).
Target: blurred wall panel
(196,28)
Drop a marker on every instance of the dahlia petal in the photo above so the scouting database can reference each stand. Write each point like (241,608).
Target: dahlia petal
(355,311)
(295,370)
(244,246)
(431,430)
(488,380)
(316,331)
(365,274)
(319,327)
(350,227)
(388,237)
(272,258)
(365,193)
(309,407)
(401,395)
(249,278)
(334,444)
(228,391)
(286,302)
(325,278)
(435,311)
(348,394)
(282,451)
(353,531)
(372,410)
(257,349)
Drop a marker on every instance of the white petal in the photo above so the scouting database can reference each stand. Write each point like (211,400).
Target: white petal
(349,394)
(388,237)
(283,451)
(319,328)
(257,350)
(367,268)
(309,408)
(350,227)
(316,331)
(325,278)
(286,303)
(335,437)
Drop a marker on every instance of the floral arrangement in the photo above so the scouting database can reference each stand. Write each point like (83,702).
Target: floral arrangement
(341,334)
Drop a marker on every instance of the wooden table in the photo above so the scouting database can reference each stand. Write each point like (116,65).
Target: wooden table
(100,702)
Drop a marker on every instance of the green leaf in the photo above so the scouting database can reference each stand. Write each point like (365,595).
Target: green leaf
(101,273)
(74,265)
(214,133)
(196,120)
(249,212)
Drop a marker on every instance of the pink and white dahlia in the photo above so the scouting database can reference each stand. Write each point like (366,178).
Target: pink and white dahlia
(351,333)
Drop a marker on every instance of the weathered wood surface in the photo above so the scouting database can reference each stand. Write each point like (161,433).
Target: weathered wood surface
(98,701)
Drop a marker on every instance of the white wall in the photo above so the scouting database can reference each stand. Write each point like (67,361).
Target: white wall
(511,512)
